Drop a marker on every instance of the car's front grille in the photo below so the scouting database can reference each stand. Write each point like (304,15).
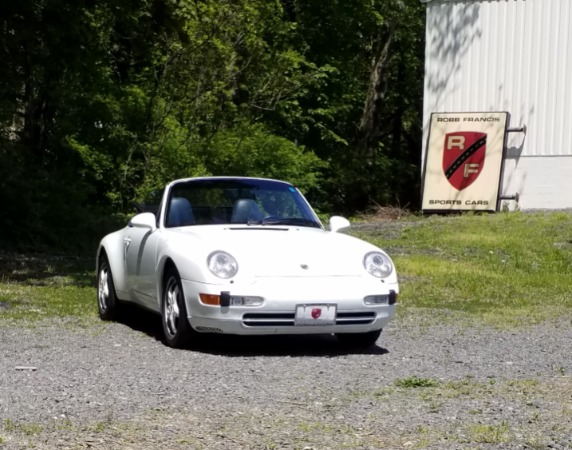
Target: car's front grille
(268,319)
(202,329)
(287,319)
(355,318)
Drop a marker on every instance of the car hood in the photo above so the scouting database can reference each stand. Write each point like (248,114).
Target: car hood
(282,251)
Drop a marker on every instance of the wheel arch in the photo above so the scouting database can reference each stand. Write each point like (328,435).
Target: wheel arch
(111,249)
(166,265)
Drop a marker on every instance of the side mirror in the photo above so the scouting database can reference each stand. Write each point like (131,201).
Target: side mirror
(338,222)
(144,220)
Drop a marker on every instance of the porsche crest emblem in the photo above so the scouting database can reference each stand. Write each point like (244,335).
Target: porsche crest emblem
(316,313)
(464,157)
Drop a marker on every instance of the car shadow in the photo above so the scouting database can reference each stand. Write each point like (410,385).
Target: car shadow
(141,319)
(318,345)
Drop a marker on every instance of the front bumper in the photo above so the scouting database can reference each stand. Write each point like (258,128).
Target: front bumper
(281,295)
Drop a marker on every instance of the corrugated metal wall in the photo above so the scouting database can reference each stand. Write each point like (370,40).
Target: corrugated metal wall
(515,56)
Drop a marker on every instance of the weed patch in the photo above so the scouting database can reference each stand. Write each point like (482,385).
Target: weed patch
(505,270)
(416,382)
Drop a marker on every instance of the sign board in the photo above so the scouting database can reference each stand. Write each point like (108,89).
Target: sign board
(463,161)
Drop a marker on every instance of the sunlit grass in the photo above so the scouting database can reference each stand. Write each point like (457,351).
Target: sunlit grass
(489,433)
(28,429)
(35,288)
(503,269)
(415,382)
(33,303)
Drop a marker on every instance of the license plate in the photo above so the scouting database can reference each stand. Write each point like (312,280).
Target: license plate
(309,315)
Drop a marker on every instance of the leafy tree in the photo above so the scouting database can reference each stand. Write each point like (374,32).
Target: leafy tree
(251,150)
(48,58)
(366,118)
(103,102)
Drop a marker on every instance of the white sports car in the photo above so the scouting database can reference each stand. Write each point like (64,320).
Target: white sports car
(245,256)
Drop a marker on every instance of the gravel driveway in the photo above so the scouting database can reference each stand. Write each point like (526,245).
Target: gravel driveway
(424,386)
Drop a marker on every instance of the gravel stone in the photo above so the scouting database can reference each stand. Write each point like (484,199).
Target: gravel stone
(115,385)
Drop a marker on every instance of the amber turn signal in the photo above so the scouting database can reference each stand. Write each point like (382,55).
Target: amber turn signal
(210,299)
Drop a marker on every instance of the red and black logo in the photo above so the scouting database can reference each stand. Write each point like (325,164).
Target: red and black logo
(464,157)
(316,312)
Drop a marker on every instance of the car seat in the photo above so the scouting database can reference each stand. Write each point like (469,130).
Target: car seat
(180,213)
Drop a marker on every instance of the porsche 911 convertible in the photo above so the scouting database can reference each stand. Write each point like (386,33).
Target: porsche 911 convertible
(245,256)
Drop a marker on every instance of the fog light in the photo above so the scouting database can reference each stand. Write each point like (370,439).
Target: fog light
(376,300)
(230,300)
(236,300)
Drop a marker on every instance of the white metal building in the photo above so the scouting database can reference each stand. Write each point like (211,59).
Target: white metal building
(515,56)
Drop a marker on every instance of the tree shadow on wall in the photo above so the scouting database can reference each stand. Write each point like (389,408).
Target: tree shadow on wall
(451,29)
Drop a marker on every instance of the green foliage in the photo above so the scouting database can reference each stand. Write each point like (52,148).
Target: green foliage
(253,151)
(382,168)
(48,208)
(104,102)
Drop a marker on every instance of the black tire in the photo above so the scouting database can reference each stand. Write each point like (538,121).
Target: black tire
(177,330)
(361,340)
(107,303)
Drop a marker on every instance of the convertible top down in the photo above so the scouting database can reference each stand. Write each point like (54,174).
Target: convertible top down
(245,256)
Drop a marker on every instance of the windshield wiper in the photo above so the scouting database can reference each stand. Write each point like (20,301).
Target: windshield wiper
(291,221)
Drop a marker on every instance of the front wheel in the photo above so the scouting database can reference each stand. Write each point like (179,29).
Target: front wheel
(362,340)
(107,303)
(176,327)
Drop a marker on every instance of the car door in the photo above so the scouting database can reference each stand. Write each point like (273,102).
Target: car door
(140,258)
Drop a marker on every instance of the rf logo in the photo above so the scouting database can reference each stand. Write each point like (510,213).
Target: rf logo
(464,157)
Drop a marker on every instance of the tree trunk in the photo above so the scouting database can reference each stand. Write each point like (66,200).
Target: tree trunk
(34,108)
(370,123)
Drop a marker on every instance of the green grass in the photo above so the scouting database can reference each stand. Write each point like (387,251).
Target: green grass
(504,269)
(27,429)
(489,434)
(415,382)
(37,287)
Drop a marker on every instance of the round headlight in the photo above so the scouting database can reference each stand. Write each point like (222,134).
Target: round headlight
(222,264)
(378,264)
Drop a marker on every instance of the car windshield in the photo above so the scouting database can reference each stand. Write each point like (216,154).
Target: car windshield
(237,201)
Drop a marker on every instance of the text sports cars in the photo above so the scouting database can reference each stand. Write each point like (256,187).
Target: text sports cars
(245,256)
